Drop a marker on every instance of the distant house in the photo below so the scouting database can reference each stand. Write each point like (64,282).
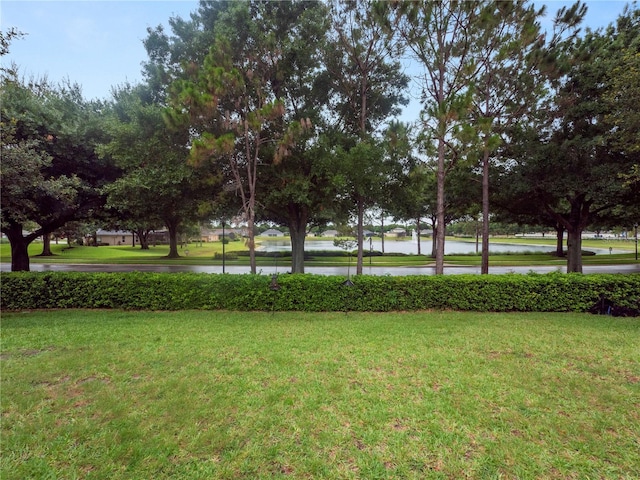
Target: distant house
(114,237)
(158,237)
(330,233)
(397,233)
(207,235)
(272,232)
(217,234)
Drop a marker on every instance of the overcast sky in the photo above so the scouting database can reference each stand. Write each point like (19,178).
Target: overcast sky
(98,44)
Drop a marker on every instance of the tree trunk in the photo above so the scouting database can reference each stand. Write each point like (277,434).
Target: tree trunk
(172,226)
(418,235)
(297,231)
(46,246)
(360,236)
(574,223)
(574,250)
(434,241)
(439,237)
(484,269)
(143,238)
(19,248)
(559,241)
(251,243)
(382,232)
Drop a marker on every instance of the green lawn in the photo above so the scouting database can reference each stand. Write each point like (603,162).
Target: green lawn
(203,254)
(122,254)
(224,395)
(603,243)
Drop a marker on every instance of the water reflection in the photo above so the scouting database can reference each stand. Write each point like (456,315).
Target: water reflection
(409,247)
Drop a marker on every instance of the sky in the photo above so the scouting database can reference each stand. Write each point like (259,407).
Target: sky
(98,43)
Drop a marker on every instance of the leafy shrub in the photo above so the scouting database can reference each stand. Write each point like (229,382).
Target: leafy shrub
(584,253)
(353,254)
(326,253)
(554,292)
(226,256)
(263,254)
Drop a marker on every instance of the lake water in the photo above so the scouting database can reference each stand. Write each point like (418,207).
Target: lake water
(404,246)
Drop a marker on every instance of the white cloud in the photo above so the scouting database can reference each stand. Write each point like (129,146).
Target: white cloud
(83,33)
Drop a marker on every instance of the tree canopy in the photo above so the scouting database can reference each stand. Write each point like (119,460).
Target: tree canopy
(287,112)
(51,173)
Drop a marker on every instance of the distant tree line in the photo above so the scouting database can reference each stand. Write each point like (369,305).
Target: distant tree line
(286,112)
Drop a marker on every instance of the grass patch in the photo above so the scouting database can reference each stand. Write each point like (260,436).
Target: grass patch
(519,259)
(110,394)
(602,243)
(205,254)
(124,254)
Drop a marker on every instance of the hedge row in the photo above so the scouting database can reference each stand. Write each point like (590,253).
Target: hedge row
(319,253)
(176,291)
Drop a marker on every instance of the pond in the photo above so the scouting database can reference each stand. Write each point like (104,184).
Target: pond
(405,246)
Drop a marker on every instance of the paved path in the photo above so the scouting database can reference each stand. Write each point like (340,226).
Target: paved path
(268,270)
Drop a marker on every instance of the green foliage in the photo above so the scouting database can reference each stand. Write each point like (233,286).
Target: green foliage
(50,173)
(345,243)
(264,254)
(576,151)
(226,256)
(157,186)
(158,291)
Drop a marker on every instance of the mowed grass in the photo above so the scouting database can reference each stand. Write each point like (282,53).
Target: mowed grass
(193,254)
(224,395)
(124,254)
(204,254)
(587,243)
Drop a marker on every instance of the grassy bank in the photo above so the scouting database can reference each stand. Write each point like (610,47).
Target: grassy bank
(203,254)
(600,243)
(96,394)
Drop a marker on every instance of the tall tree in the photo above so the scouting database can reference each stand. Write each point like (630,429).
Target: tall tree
(505,44)
(231,101)
(299,192)
(188,42)
(364,173)
(405,193)
(575,166)
(547,61)
(369,87)
(158,187)
(623,91)
(6,38)
(439,37)
(295,189)
(50,172)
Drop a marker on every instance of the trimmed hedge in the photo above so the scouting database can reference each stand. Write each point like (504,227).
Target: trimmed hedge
(554,292)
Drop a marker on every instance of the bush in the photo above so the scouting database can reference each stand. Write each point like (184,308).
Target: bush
(584,253)
(226,256)
(554,292)
(326,253)
(263,254)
